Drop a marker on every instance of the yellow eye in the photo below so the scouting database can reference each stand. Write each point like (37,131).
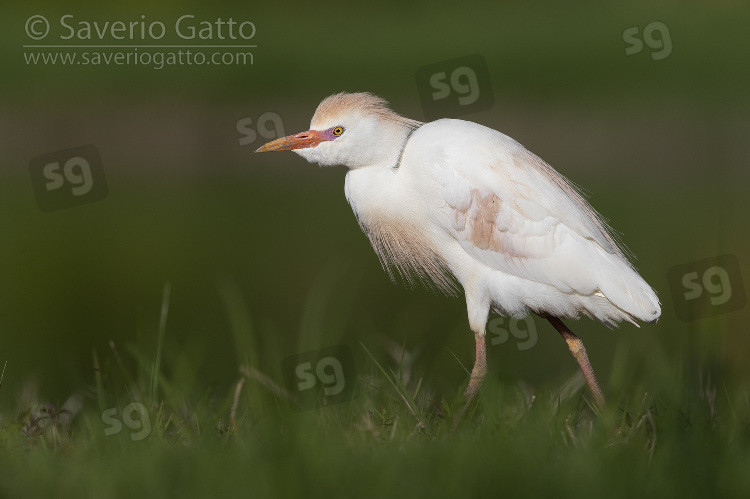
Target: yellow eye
(338,131)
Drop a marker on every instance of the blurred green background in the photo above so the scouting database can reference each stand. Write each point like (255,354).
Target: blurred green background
(660,145)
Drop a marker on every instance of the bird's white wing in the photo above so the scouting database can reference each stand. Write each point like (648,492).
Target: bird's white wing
(517,215)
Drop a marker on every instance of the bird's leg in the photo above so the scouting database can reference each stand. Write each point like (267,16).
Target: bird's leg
(479,371)
(477,376)
(579,352)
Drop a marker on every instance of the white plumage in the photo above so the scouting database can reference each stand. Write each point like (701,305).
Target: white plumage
(453,199)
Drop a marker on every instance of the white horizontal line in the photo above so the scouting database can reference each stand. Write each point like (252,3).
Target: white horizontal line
(136,46)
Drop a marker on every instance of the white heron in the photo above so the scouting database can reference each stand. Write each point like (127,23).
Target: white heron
(454,201)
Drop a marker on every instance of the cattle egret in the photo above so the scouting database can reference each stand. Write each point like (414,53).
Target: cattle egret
(454,201)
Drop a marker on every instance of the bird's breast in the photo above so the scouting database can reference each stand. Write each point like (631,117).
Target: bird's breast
(390,216)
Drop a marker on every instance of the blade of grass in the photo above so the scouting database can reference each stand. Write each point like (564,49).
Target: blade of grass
(160,341)
(99,384)
(398,386)
(129,380)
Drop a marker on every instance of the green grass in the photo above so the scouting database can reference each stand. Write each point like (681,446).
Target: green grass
(689,437)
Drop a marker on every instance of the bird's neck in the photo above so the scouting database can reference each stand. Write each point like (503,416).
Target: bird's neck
(388,144)
(405,140)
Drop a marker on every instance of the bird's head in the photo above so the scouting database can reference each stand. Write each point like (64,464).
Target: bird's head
(355,130)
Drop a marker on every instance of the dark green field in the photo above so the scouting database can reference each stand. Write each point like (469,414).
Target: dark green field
(204,271)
